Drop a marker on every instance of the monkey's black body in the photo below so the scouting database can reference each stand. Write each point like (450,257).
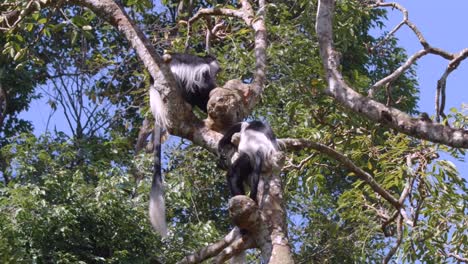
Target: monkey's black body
(257,144)
(199,98)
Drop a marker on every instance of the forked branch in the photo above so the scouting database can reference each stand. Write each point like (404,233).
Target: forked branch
(371,109)
(454,59)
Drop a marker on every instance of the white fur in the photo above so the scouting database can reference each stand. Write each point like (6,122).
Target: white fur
(157,211)
(214,68)
(157,108)
(189,75)
(157,208)
(252,141)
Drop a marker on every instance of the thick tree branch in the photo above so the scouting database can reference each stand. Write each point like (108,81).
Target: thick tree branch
(232,243)
(182,120)
(272,238)
(213,249)
(373,110)
(455,59)
(237,247)
(255,20)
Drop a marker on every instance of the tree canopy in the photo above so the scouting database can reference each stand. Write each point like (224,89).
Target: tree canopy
(365,176)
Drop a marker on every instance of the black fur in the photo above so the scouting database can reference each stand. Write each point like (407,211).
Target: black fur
(196,94)
(248,166)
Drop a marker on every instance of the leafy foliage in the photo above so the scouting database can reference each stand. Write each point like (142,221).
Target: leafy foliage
(81,195)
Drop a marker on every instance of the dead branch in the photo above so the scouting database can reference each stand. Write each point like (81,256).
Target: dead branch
(371,109)
(442,82)
(455,59)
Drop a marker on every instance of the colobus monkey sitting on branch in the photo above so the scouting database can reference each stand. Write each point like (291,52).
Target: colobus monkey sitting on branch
(257,151)
(195,77)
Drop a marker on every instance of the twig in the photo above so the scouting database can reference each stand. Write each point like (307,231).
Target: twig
(442,82)
(393,250)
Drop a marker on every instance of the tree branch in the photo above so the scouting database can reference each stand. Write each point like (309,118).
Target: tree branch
(442,82)
(298,144)
(393,250)
(183,122)
(257,22)
(211,250)
(373,110)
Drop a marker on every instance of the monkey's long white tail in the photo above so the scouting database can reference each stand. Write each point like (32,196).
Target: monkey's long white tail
(157,108)
(157,208)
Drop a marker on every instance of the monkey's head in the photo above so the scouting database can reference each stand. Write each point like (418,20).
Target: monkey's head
(214,65)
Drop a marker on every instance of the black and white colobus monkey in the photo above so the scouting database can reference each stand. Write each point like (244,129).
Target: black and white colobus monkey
(195,77)
(257,149)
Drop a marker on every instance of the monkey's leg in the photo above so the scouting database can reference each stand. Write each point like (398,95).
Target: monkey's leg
(238,173)
(255,176)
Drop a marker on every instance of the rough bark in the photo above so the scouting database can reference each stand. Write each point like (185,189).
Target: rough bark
(273,238)
(371,109)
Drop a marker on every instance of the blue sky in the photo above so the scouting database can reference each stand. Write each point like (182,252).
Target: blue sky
(443,24)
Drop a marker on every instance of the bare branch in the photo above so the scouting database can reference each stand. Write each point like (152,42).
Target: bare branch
(455,59)
(457,257)
(442,82)
(373,110)
(393,250)
(216,12)
(213,249)
(301,164)
(398,72)
(381,212)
